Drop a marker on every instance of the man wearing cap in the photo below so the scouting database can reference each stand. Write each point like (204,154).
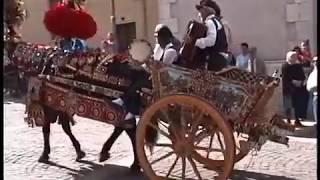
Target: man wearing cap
(215,43)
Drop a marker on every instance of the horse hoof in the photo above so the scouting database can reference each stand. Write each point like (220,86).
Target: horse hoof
(44,158)
(135,168)
(80,155)
(104,157)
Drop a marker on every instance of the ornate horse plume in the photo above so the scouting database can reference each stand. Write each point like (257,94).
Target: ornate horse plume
(14,16)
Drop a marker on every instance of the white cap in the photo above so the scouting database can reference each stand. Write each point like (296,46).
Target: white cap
(158,27)
(289,55)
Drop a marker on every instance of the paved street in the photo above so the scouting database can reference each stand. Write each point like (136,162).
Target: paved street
(23,146)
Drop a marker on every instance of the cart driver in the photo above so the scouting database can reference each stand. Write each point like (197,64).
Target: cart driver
(140,78)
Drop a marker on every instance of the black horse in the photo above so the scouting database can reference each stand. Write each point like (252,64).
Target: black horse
(41,63)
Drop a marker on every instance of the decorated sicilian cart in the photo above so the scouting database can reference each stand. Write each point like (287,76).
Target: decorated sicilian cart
(209,119)
(213,119)
(192,119)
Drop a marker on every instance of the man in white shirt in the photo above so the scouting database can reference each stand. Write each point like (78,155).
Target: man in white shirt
(243,61)
(164,38)
(158,51)
(215,44)
(312,85)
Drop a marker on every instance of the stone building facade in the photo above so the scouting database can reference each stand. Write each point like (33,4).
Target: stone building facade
(141,16)
(273,26)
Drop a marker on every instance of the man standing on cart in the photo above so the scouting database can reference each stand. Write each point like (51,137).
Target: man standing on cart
(214,45)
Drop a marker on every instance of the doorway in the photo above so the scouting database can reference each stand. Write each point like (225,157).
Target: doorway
(126,33)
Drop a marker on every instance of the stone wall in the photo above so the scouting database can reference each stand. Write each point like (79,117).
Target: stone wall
(275,104)
(273,26)
(33,30)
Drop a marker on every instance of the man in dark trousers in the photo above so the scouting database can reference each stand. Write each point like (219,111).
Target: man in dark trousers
(214,45)
(131,98)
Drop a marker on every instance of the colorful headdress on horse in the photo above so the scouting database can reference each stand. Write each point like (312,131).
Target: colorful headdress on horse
(14,15)
(70,20)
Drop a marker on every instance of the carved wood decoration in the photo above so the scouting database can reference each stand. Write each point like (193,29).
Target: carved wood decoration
(65,100)
(238,95)
(233,100)
(85,86)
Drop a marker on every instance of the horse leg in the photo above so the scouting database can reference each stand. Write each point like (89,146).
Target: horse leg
(65,123)
(135,167)
(104,154)
(46,135)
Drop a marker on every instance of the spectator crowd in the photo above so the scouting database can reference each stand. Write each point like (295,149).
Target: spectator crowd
(299,83)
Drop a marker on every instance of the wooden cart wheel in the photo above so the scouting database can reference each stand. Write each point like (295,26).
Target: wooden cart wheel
(178,120)
(242,146)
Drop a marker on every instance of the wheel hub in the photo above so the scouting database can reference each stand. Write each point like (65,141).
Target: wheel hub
(183,147)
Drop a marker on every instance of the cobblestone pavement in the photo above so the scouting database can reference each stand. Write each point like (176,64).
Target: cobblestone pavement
(23,146)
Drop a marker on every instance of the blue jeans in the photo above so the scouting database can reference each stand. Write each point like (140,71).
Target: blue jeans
(315,106)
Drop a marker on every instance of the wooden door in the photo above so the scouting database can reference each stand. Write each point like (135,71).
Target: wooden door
(126,33)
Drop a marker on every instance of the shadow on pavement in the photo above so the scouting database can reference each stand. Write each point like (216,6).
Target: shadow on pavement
(9,100)
(105,172)
(115,172)
(60,166)
(247,175)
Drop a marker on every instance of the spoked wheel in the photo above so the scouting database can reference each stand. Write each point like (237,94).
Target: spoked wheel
(213,137)
(180,120)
